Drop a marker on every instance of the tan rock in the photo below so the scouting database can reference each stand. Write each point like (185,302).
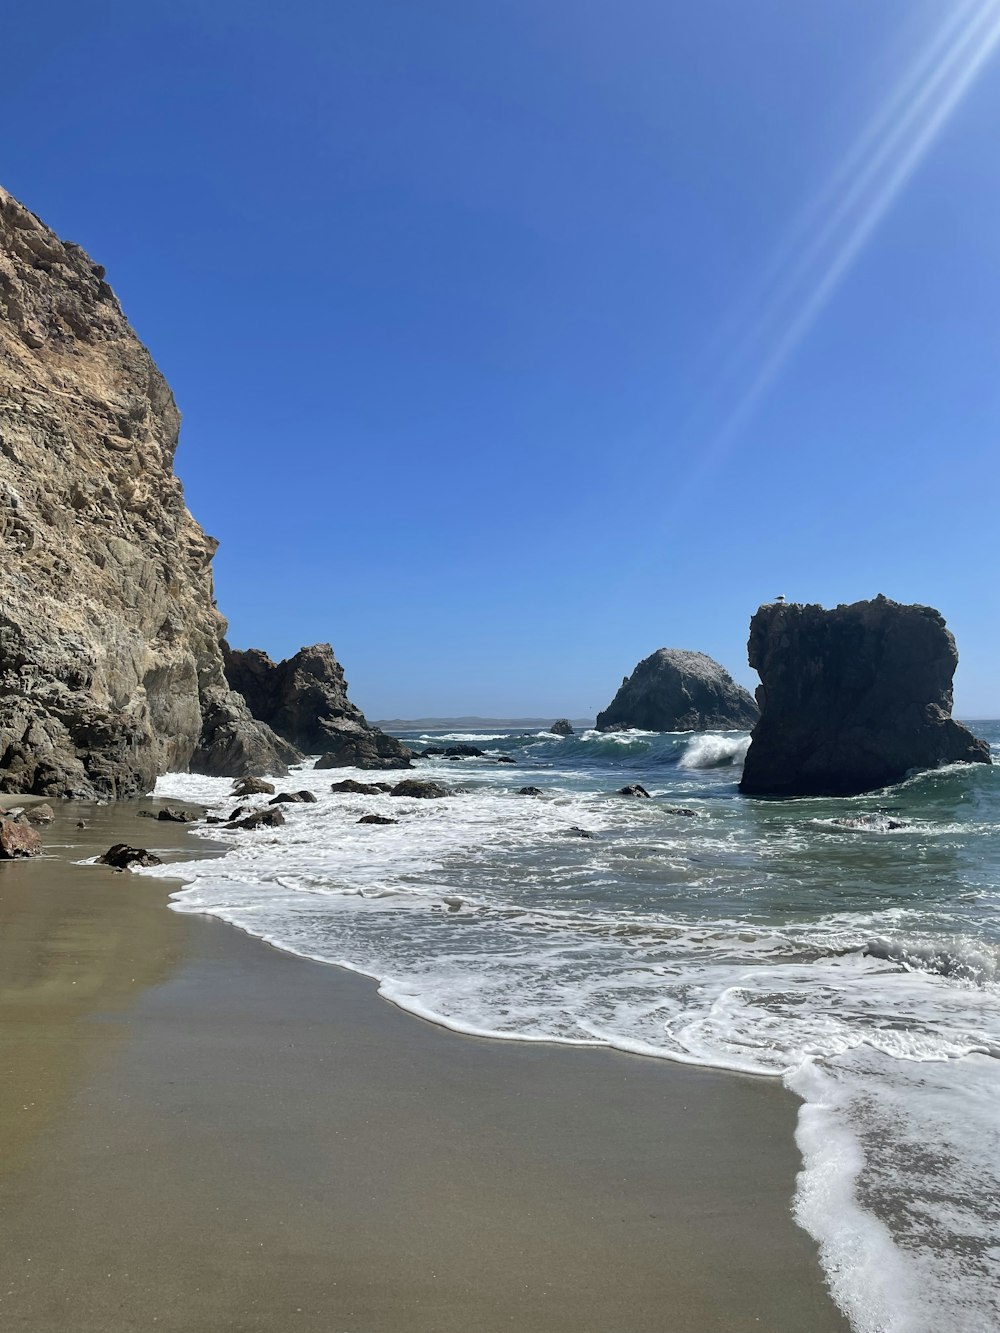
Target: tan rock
(111,670)
(17,839)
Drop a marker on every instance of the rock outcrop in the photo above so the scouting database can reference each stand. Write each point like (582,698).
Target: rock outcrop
(675,690)
(852,699)
(304,699)
(562,727)
(111,665)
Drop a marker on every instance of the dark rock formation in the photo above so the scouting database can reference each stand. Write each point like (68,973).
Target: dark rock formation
(361,788)
(253,787)
(234,743)
(574,831)
(634,789)
(270,818)
(562,727)
(169,815)
(505,759)
(529,791)
(18,839)
(851,699)
(674,690)
(121,856)
(293,798)
(304,699)
(424,790)
(681,810)
(377,819)
(111,668)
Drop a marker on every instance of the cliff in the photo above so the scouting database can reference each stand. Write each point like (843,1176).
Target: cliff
(674,690)
(304,699)
(111,667)
(852,699)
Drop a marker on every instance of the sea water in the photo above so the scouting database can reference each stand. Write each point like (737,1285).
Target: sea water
(850,947)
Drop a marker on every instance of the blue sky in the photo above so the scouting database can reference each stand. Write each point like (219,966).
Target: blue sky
(517,340)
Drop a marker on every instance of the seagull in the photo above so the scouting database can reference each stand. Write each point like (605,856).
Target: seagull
(780,597)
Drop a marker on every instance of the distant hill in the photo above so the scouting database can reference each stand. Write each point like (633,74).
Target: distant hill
(474,723)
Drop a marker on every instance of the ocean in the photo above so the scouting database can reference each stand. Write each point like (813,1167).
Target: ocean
(849,947)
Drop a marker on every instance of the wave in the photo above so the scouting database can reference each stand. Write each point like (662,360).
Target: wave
(712,751)
(861,970)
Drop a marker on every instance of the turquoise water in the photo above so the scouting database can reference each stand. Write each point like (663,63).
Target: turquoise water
(849,947)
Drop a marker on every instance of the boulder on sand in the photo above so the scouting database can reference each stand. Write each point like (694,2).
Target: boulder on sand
(121,856)
(675,690)
(18,839)
(852,699)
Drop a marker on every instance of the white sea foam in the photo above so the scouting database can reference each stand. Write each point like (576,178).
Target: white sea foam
(485,913)
(712,751)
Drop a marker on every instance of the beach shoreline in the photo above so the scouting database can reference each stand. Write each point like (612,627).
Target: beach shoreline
(203,1133)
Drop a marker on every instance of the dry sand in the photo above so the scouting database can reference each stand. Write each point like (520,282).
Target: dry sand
(199,1133)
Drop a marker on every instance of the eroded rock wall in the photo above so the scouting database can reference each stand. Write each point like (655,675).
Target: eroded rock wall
(852,699)
(109,635)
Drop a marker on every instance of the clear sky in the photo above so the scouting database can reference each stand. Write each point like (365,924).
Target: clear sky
(516,340)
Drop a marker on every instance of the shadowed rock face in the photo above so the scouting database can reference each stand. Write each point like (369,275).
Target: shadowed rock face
(852,699)
(110,658)
(304,699)
(674,690)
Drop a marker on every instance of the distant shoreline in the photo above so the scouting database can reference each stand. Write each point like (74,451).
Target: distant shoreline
(473,723)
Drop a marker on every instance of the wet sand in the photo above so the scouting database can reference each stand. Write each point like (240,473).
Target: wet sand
(199,1133)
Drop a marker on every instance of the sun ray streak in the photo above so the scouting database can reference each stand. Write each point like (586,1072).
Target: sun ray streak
(862,190)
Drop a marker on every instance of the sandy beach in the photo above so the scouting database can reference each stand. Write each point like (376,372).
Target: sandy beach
(201,1133)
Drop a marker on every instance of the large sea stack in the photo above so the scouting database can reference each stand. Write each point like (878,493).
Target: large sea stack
(852,699)
(110,660)
(675,690)
(304,699)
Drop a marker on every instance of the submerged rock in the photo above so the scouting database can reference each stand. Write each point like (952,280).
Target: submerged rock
(304,699)
(422,790)
(574,831)
(529,791)
(111,667)
(676,690)
(562,727)
(168,815)
(377,819)
(505,759)
(18,839)
(121,856)
(681,810)
(852,699)
(633,789)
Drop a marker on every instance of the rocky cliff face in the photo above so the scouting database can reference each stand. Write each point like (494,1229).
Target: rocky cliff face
(304,699)
(674,690)
(110,657)
(852,699)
